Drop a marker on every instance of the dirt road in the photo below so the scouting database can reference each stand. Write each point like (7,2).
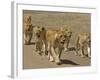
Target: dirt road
(33,60)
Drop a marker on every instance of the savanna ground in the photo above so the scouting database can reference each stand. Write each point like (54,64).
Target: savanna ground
(78,22)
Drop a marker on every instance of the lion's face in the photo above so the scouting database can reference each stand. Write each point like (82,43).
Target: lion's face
(28,24)
(67,31)
(39,31)
(68,34)
(61,37)
(28,19)
(85,38)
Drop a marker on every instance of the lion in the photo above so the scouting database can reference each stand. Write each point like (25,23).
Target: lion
(68,33)
(40,37)
(83,43)
(28,30)
(55,40)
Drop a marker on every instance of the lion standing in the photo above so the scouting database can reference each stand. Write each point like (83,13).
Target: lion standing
(40,39)
(68,33)
(83,43)
(55,40)
(28,30)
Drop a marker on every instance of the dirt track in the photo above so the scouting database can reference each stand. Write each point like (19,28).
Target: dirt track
(78,22)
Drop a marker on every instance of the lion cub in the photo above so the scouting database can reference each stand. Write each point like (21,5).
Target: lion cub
(83,43)
(28,30)
(40,36)
(55,40)
(68,33)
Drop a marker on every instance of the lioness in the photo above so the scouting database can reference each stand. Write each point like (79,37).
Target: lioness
(40,36)
(28,30)
(68,33)
(55,40)
(83,43)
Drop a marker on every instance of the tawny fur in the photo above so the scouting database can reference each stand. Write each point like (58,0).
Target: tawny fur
(83,42)
(55,40)
(28,30)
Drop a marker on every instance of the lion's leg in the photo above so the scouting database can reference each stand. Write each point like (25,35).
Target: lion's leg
(25,38)
(56,57)
(89,52)
(59,53)
(77,49)
(45,47)
(51,58)
(66,45)
(30,37)
(39,46)
(76,53)
(77,46)
(82,51)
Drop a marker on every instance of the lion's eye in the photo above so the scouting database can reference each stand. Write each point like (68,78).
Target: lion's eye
(60,35)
